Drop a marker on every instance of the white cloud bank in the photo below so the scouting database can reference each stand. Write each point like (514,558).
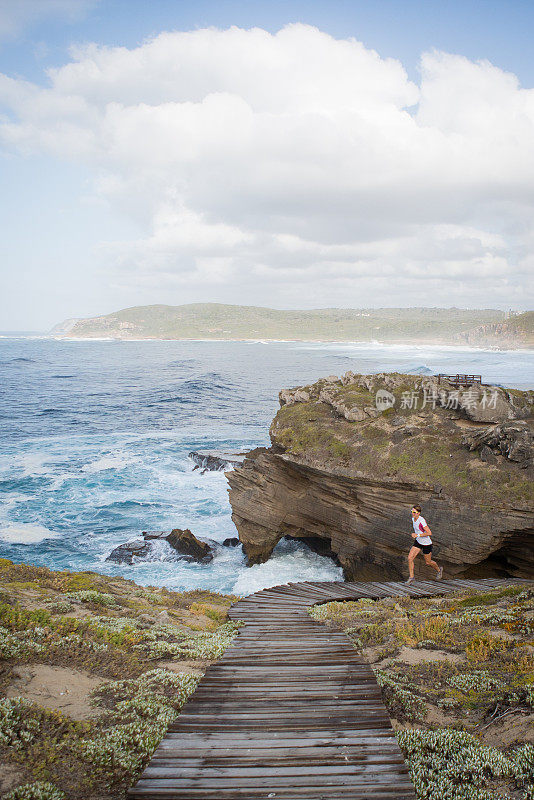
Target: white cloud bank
(296,169)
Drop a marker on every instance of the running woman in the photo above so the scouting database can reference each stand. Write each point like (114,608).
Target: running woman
(422,542)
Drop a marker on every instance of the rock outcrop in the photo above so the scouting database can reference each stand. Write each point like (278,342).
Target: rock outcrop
(513,440)
(216,460)
(231,541)
(344,472)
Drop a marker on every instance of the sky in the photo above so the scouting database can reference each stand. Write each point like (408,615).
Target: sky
(284,154)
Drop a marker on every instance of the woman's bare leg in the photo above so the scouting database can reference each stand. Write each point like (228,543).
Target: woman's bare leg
(412,555)
(428,560)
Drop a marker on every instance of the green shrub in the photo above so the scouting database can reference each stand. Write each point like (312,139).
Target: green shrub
(401,702)
(92,596)
(59,607)
(523,761)
(158,642)
(18,725)
(41,790)
(139,713)
(17,618)
(453,765)
(480,681)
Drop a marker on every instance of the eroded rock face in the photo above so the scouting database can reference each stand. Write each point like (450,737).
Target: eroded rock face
(350,479)
(367,523)
(513,440)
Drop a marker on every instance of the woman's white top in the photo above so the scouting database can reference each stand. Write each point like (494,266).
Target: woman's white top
(419,526)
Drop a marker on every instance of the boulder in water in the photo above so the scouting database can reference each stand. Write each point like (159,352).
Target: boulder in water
(187,544)
(124,553)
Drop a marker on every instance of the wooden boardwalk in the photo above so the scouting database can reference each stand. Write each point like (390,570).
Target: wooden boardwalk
(290,711)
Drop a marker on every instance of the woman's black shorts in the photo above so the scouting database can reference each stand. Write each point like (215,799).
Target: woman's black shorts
(426,548)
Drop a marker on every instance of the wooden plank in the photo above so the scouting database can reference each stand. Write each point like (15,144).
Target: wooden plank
(276,739)
(401,791)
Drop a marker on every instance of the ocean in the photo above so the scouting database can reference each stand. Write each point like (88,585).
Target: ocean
(95,436)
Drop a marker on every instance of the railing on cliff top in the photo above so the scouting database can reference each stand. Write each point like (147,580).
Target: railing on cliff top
(460,380)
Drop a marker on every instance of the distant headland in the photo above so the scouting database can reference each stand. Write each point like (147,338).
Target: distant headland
(450,326)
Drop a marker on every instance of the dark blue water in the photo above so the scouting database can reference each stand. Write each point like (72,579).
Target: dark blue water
(95,435)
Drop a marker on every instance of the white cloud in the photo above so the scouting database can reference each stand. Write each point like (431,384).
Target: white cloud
(18,14)
(297,169)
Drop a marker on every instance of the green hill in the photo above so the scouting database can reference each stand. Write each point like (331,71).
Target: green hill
(220,321)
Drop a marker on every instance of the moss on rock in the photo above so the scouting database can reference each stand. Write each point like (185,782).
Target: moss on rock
(419,440)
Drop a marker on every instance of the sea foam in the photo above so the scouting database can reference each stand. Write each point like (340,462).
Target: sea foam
(25,533)
(290,561)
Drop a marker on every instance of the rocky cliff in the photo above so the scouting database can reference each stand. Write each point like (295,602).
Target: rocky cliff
(350,455)
(517,331)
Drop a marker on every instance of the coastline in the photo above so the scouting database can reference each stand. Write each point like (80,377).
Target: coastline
(441,343)
(266,340)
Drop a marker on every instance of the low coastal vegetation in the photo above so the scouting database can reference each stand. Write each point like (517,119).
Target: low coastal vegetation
(457,677)
(93,669)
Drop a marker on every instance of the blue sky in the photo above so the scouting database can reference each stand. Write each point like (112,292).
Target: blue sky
(497,30)
(93,222)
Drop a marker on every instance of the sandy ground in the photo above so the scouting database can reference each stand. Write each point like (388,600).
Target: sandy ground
(411,655)
(58,688)
(511,729)
(10,776)
(499,633)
